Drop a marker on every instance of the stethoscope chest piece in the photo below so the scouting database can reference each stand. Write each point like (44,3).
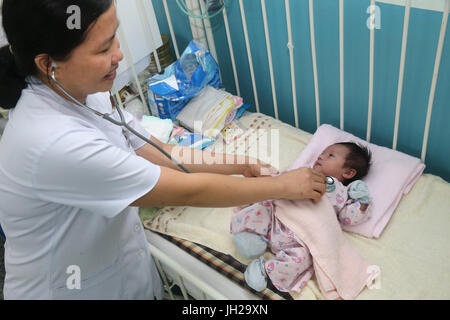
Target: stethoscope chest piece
(330,184)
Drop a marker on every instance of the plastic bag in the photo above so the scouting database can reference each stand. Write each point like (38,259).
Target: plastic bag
(182,80)
(193,140)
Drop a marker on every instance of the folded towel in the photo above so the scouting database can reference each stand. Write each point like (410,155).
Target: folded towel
(340,271)
(391,175)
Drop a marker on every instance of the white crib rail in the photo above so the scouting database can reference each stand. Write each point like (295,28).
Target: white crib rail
(401,72)
(172,33)
(290,46)
(230,46)
(371,62)
(314,59)
(249,54)
(180,274)
(437,63)
(269,57)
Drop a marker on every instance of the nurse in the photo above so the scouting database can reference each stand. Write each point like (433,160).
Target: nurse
(71,183)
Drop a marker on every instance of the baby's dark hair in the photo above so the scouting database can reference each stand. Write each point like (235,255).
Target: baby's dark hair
(359,158)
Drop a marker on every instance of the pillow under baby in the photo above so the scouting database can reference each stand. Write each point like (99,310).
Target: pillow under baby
(391,175)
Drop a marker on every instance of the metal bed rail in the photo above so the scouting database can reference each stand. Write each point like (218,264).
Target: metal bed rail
(181,278)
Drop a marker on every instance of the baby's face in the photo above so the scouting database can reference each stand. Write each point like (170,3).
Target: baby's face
(331,161)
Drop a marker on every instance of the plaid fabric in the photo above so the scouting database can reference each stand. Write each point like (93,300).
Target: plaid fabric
(227,266)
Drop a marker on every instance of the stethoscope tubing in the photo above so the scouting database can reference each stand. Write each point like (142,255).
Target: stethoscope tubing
(122,123)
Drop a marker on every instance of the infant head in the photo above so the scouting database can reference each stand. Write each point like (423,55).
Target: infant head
(346,161)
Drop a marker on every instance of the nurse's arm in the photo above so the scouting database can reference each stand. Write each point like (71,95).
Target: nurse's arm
(195,160)
(175,188)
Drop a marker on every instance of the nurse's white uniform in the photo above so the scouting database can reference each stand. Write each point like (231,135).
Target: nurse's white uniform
(67,178)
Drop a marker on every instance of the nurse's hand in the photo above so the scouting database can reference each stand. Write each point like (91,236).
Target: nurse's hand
(302,183)
(258,169)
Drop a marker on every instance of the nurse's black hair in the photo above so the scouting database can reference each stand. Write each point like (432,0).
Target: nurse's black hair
(36,27)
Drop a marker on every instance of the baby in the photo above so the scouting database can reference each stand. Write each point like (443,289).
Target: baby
(255,227)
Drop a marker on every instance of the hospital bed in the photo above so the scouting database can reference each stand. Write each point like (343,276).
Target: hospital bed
(193,246)
(194,249)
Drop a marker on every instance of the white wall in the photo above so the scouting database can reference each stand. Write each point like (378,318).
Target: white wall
(140,37)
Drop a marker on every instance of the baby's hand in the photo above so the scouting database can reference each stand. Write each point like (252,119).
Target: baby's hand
(359,191)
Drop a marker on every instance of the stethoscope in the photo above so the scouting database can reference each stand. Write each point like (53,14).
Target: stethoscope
(329,183)
(122,123)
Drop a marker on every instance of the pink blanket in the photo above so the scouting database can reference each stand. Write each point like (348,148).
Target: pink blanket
(391,175)
(340,271)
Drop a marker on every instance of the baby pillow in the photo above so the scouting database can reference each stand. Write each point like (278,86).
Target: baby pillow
(391,175)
